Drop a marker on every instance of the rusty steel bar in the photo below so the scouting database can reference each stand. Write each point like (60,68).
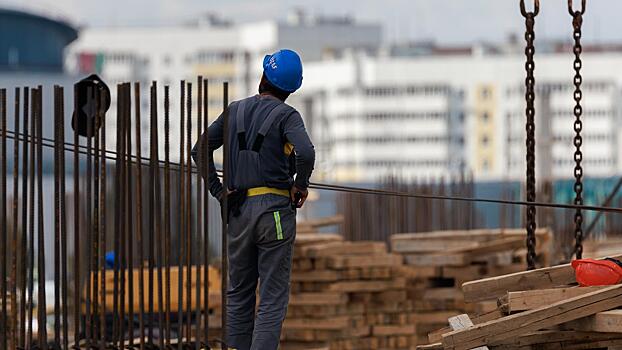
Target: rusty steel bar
(180,276)
(203,157)
(89,222)
(14,247)
(122,215)
(152,217)
(167,215)
(189,215)
(102,230)
(63,219)
(126,208)
(57,223)
(3,221)
(24,238)
(225,213)
(117,225)
(76,221)
(31,216)
(139,215)
(41,304)
(94,268)
(199,225)
(158,210)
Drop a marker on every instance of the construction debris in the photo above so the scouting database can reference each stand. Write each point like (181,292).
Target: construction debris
(551,312)
(437,263)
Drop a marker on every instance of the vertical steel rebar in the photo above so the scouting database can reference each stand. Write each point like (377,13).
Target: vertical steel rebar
(152,216)
(199,221)
(76,221)
(180,276)
(139,215)
(102,230)
(3,221)
(31,215)
(189,214)
(225,212)
(204,159)
(167,215)
(14,247)
(24,237)
(129,218)
(89,222)
(41,304)
(117,224)
(58,149)
(96,227)
(63,219)
(122,215)
(158,210)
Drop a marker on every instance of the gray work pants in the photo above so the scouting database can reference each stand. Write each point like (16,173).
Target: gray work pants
(260,247)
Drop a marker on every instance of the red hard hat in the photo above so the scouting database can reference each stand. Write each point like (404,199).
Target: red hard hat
(591,272)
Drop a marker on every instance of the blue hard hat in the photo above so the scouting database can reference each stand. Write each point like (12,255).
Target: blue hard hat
(284,70)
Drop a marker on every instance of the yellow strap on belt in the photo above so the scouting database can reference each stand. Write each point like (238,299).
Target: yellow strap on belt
(258,191)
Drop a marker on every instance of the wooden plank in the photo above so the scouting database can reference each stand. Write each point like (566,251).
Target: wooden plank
(387,330)
(430,245)
(434,346)
(440,259)
(367,286)
(343,248)
(532,320)
(476,235)
(532,299)
(323,298)
(332,323)
(311,238)
(315,276)
(437,336)
(544,337)
(461,322)
(498,245)
(606,321)
(494,287)
(353,261)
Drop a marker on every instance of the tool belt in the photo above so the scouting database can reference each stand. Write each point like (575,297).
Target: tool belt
(236,199)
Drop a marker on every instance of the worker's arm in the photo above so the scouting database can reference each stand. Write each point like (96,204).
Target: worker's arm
(296,134)
(215,137)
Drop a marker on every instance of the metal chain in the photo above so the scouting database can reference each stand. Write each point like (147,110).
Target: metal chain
(530,127)
(577,21)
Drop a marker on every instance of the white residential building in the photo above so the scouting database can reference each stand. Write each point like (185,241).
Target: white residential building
(215,49)
(440,114)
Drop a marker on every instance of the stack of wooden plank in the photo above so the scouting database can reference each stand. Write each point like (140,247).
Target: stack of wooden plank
(347,295)
(538,309)
(437,263)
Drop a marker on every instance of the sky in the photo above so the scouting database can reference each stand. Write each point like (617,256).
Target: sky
(444,21)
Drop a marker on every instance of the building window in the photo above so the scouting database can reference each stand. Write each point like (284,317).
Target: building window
(485,165)
(485,140)
(485,93)
(485,117)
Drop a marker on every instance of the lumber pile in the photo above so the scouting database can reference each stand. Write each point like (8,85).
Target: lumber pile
(538,309)
(347,295)
(437,263)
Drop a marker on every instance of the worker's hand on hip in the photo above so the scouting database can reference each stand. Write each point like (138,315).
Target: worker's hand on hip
(298,196)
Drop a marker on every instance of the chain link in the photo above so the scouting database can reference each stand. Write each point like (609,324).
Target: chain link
(530,128)
(577,21)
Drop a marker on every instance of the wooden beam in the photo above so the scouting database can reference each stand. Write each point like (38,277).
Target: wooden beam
(342,248)
(494,287)
(606,321)
(533,299)
(462,322)
(515,325)
(437,336)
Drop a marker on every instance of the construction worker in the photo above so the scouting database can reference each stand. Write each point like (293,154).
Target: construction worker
(263,195)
